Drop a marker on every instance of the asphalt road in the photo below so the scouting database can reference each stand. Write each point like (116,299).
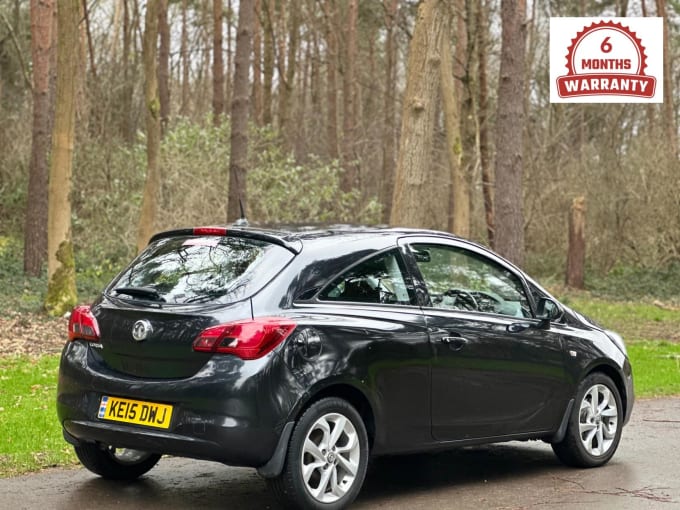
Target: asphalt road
(644,474)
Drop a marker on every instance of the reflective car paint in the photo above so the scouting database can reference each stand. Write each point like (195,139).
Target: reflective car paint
(414,391)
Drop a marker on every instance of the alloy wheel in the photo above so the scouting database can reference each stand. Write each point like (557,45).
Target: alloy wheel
(598,420)
(330,457)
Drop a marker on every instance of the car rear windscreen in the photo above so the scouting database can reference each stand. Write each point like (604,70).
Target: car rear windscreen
(200,269)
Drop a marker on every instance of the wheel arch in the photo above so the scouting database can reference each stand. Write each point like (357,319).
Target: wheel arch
(616,376)
(351,394)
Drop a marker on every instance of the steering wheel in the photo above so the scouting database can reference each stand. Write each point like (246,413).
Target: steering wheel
(462,299)
(486,302)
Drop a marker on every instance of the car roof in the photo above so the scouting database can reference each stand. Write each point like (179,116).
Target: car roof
(293,236)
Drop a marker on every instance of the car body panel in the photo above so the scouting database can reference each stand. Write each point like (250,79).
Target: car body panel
(388,360)
(417,391)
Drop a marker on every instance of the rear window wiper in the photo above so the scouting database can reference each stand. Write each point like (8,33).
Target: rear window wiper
(141,292)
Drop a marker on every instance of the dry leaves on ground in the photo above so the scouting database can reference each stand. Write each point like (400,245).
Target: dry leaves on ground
(31,334)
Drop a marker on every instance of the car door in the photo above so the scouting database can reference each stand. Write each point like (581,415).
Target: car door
(486,380)
(375,333)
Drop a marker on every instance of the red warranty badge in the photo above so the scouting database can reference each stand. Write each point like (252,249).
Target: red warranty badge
(606,59)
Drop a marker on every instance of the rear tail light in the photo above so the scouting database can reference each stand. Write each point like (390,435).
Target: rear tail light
(248,339)
(83,325)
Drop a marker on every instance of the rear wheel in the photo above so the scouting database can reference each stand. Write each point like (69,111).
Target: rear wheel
(594,427)
(327,457)
(115,463)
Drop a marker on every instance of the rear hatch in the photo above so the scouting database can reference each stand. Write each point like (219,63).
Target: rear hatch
(150,315)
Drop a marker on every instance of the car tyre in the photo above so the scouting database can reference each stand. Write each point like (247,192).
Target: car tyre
(326,460)
(594,427)
(115,463)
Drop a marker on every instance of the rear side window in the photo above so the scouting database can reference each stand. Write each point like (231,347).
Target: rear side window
(379,279)
(209,269)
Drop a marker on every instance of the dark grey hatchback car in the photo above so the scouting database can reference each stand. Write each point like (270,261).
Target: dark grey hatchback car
(302,353)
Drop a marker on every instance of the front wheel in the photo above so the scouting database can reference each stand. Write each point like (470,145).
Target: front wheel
(327,456)
(115,463)
(594,427)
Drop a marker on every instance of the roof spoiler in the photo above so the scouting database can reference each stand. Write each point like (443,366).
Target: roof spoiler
(235,231)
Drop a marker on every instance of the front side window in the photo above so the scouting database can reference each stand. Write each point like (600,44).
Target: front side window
(459,279)
(379,279)
(209,269)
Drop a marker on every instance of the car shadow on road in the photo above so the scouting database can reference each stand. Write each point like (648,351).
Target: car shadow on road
(461,468)
(202,485)
(181,483)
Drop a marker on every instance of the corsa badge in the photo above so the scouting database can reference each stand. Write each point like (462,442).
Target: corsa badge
(606,60)
(141,330)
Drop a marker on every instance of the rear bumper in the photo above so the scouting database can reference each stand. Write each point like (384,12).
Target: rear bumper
(227,412)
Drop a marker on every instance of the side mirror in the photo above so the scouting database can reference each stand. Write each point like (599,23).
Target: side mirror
(547,310)
(422,255)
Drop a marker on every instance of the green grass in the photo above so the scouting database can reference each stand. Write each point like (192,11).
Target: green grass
(634,320)
(30,434)
(652,336)
(656,368)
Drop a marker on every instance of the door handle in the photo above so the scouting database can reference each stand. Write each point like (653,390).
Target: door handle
(455,342)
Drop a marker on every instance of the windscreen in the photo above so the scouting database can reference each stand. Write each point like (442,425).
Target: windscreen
(200,269)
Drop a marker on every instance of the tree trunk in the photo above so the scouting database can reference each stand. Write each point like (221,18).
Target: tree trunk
(668,109)
(483,124)
(286,89)
(229,65)
(240,107)
(509,134)
(218,66)
(61,287)
(127,123)
(164,64)
(268,62)
(152,186)
(90,46)
(331,79)
(576,256)
(350,177)
(389,128)
(257,65)
(35,231)
(184,51)
(413,187)
(459,206)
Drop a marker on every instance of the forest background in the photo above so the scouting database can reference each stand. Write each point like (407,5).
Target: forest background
(330,128)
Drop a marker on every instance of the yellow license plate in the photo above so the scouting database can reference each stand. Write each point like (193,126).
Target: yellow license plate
(138,412)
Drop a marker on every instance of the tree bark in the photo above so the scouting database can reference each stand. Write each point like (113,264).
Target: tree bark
(127,91)
(510,121)
(459,206)
(668,109)
(164,65)
(350,177)
(218,66)
(61,287)
(459,105)
(413,187)
(331,79)
(389,121)
(287,87)
(240,108)
(482,119)
(35,230)
(149,212)
(268,62)
(257,65)
(576,256)
(90,46)
(229,65)
(184,51)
